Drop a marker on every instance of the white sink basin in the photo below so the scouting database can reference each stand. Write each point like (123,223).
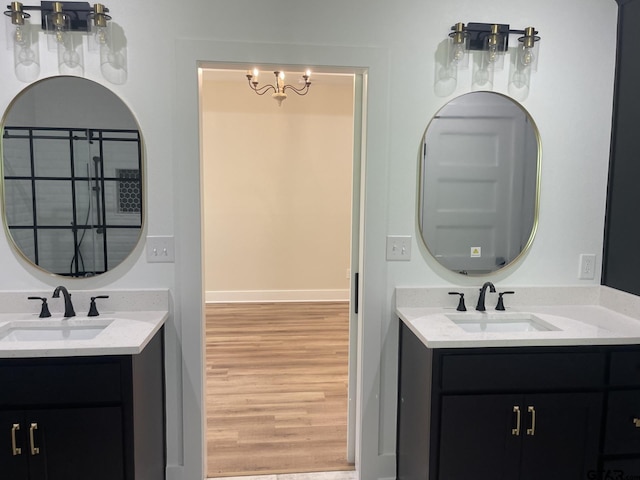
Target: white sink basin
(500,322)
(52,330)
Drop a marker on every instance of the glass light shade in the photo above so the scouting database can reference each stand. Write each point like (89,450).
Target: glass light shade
(528,55)
(57,25)
(494,55)
(113,64)
(100,27)
(26,56)
(71,55)
(113,55)
(458,47)
(16,21)
(98,36)
(483,72)
(519,82)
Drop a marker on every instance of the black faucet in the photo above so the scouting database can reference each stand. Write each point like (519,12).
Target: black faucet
(68,306)
(483,291)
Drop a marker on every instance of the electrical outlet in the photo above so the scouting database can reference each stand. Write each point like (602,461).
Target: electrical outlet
(398,247)
(160,249)
(587,269)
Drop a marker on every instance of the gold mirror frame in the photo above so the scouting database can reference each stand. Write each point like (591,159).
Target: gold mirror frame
(459,190)
(81,208)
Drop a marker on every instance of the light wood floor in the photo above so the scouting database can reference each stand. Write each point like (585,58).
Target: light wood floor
(276,388)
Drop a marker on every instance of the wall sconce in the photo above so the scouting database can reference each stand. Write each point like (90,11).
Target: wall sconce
(491,43)
(64,24)
(457,57)
(526,61)
(279,88)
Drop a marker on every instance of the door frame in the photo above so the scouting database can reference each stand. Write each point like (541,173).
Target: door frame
(357,205)
(184,342)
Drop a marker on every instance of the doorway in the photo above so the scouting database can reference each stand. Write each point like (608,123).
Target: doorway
(278,224)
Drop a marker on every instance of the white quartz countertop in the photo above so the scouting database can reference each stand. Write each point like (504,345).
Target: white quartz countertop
(132,318)
(126,333)
(598,316)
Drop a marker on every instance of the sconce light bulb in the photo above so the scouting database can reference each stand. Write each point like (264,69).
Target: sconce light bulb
(492,53)
(19,35)
(458,52)
(101,36)
(59,34)
(527,57)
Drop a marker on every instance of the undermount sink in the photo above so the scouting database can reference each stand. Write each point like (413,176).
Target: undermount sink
(52,330)
(500,322)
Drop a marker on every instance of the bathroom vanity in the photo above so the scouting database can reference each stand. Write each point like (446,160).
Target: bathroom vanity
(74,408)
(561,403)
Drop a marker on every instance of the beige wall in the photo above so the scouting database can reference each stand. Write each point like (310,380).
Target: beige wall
(277,189)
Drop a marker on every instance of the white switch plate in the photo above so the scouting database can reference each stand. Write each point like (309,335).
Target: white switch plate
(160,249)
(398,247)
(587,269)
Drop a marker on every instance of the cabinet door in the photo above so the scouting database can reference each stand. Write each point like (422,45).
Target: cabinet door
(623,424)
(479,437)
(563,442)
(13,446)
(77,444)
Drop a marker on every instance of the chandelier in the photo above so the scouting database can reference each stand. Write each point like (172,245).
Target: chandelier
(279,88)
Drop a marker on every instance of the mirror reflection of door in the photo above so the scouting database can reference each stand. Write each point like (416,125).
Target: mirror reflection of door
(479,172)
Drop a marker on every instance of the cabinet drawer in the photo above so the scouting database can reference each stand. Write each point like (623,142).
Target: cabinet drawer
(625,368)
(622,434)
(25,384)
(522,371)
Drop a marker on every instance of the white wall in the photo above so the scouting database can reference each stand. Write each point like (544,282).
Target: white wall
(277,189)
(570,99)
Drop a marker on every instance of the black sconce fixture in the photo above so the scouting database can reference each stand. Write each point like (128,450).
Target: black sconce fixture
(491,41)
(64,24)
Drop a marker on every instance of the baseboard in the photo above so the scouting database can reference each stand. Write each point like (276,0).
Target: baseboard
(256,296)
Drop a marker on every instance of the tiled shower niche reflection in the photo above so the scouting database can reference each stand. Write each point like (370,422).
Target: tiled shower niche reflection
(73,199)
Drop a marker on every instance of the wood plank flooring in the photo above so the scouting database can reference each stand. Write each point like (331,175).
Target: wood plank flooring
(276,388)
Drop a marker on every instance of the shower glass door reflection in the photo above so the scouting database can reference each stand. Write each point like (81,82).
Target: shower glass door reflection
(74,203)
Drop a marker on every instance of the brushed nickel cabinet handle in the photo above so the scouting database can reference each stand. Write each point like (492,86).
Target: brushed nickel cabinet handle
(532,411)
(636,422)
(516,431)
(34,450)
(14,448)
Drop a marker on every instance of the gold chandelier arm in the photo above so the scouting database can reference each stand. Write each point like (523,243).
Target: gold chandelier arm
(262,90)
(300,91)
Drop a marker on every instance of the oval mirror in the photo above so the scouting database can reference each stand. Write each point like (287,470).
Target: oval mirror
(479,183)
(72,176)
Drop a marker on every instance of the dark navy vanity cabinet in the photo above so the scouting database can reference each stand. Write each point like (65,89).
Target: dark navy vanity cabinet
(517,413)
(78,418)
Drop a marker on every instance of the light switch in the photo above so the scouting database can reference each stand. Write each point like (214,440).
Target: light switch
(398,247)
(160,249)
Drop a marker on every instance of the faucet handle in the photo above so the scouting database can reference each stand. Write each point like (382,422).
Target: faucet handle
(500,305)
(461,305)
(93,310)
(44,311)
